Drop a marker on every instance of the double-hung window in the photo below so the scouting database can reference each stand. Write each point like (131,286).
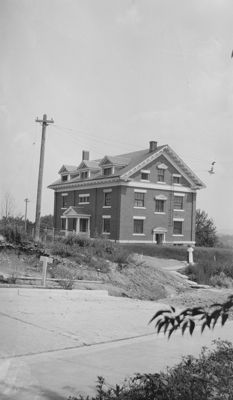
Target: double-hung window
(64,201)
(176,179)
(161,174)
(145,175)
(106,223)
(138,226)
(159,206)
(84,175)
(139,199)
(107,199)
(107,171)
(177,227)
(178,203)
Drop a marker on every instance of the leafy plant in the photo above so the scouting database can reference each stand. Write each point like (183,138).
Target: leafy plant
(170,321)
(207,377)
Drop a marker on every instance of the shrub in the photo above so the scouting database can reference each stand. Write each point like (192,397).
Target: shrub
(207,377)
(66,275)
(73,239)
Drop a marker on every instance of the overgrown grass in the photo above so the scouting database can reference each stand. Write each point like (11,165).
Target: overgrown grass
(207,377)
(180,252)
(85,250)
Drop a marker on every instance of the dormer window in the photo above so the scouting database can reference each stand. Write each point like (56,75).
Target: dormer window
(145,175)
(64,178)
(84,175)
(107,171)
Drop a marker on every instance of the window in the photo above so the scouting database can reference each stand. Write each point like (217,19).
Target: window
(176,179)
(107,171)
(83,225)
(178,202)
(84,198)
(64,178)
(177,227)
(159,205)
(84,175)
(145,176)
(64,201)
(138,226)
(139,199)
(161,174)
(107,199)
(106,225)
(63,224)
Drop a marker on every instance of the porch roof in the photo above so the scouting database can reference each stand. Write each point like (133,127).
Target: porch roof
(75,212)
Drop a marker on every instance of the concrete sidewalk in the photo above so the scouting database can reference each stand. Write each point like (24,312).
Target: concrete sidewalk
(55,343)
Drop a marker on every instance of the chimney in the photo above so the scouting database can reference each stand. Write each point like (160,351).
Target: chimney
(85,155)
(153,146)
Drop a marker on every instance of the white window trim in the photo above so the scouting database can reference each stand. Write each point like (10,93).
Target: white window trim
(161,197)
(161,183)
(145,171)
(145,180)
(140,191)
(177,235)
(138,234)
(84,195)
(178,219)
(162,166)
(177,175)
(107,190)
(141,208)
(139,217)
(64,194)
(107,206)
(106,233)
(178,209)
(84,202)
(106,216)
(179,194)
(158,212)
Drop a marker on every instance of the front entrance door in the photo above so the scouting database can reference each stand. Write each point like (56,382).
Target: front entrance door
(74,224)
(159,238)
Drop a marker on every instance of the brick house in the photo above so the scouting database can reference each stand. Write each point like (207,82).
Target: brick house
(145,196)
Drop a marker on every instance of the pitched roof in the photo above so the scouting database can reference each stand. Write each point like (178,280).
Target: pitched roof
(131,163)
(67,168)
(89,164)
(115,160)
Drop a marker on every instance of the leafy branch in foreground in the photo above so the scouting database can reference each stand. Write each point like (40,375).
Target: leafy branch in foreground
(170,321)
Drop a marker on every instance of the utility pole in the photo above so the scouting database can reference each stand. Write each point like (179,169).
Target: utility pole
(25,217)
(44,122)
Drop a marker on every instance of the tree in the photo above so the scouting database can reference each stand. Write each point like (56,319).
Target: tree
(171,321)
(46,221)
(205,230)
(7,207)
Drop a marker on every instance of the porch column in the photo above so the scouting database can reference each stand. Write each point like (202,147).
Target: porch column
(88,226)
(66,233)
(77,226)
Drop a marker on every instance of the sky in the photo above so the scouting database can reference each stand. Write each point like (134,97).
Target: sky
(115,74)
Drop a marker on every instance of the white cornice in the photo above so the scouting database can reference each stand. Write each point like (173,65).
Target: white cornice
(116,182)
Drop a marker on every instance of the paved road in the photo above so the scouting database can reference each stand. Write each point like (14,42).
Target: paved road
(64,366)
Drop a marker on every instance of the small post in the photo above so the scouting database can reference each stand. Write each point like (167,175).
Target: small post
(190,255)
(45,261)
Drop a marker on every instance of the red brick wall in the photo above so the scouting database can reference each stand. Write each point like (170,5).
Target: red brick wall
(153,220)
(94,208)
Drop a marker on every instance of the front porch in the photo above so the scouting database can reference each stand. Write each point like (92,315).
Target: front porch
(75,222)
